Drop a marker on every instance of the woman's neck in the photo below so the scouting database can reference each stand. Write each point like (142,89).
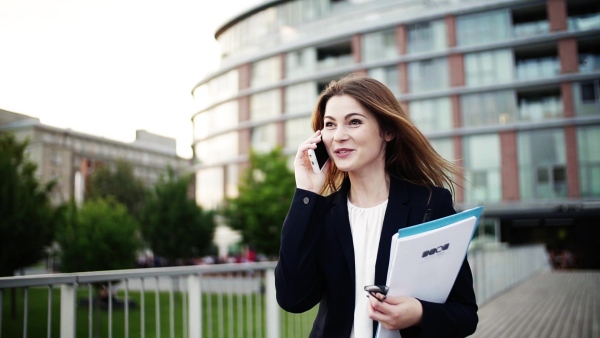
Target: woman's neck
(369,191)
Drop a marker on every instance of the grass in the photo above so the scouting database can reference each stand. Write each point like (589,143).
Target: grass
(222,316)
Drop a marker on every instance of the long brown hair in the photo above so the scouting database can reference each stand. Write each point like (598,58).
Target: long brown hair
(408,156)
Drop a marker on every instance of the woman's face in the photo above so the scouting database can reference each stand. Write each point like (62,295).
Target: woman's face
(352,136)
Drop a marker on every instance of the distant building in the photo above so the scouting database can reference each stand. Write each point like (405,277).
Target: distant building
(509,89)
(69,157)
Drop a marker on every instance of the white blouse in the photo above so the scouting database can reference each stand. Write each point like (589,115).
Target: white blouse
(365,224)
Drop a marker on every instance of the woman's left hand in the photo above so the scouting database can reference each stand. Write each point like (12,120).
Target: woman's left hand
(395,313)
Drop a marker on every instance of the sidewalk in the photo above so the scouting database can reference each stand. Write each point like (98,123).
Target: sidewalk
(550,304)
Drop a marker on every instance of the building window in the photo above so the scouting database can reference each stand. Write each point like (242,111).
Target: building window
(444,147)
(220,118)
(589,92)
(426,37)
(301,62)
(300,98)
(482,168)
(388,76)
(538,64)
(428,75)
(483,27)
(487,232)
(217,149)
(210,187)
(586,95)
(486,68)
(588,139)
(530,21)
(583,15)
(266,72)
(264,138)
(540,105)
(297,131)
(201,96)
(486,109)
(231,180)
(432,115)
(334,55)
(589,55)
(55,157)
(265,105)
(379,45)
(222,87)
(542,164)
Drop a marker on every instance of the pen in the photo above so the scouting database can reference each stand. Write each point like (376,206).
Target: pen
(427,215)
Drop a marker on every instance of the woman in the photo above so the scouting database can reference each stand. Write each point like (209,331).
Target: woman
(382,175)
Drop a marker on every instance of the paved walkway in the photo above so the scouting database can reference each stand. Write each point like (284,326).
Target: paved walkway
(549,305)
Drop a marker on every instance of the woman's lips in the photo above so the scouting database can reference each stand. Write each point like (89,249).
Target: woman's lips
(343,152)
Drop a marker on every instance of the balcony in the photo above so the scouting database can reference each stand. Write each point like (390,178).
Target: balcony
(584,22)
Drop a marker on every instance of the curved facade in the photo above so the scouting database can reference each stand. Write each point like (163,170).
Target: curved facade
(509,89)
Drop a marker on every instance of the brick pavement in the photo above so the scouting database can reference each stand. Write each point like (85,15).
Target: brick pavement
(549,305)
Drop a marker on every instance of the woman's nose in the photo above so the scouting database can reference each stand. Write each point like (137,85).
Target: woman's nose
(340,134)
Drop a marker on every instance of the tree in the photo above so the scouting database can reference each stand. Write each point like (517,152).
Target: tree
(121,184)
(102,235)
(26,217)
(265,191)
(174,226)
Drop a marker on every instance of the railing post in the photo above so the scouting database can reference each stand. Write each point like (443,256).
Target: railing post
(194,306)
(271,305)
(68,293)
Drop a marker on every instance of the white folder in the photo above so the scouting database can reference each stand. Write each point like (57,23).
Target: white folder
(425,258)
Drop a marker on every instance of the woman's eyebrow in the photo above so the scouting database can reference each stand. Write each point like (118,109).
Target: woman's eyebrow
(345,117)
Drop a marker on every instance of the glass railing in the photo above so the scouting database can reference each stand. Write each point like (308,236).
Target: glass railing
(584,22)
(334,62)
(543,109)
(532,69)
(527,29)
(589,63)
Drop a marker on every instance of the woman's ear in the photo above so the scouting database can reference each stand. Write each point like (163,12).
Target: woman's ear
(388,136)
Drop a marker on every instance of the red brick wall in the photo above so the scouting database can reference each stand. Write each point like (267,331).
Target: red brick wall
(509,166)
(566,93)
(573,190)
(451,30)
(455,104)
(460,182)
(457,70)
(356,48)
(568,56)
(401,39)
(403,75)
(244,76)
(244,115)
(557,15)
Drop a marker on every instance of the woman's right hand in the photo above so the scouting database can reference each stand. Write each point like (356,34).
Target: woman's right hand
(306,179)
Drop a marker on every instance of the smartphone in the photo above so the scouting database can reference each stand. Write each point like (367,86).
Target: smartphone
(373,290)
(318,157)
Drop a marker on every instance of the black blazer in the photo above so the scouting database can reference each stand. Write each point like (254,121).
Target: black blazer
(316,261)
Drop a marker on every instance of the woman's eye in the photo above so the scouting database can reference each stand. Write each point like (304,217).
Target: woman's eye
(355,122)
(328,124)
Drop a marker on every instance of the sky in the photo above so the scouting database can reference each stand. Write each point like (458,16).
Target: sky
(110,67)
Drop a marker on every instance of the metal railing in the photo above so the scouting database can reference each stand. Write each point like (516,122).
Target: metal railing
(223,300)
(496,269)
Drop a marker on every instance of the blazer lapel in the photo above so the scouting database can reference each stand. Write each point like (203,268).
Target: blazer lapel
(341,222)
(396,216)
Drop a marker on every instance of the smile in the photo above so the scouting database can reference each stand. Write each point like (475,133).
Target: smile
(343,151)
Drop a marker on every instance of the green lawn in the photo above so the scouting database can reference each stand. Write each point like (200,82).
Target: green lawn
(236,319)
